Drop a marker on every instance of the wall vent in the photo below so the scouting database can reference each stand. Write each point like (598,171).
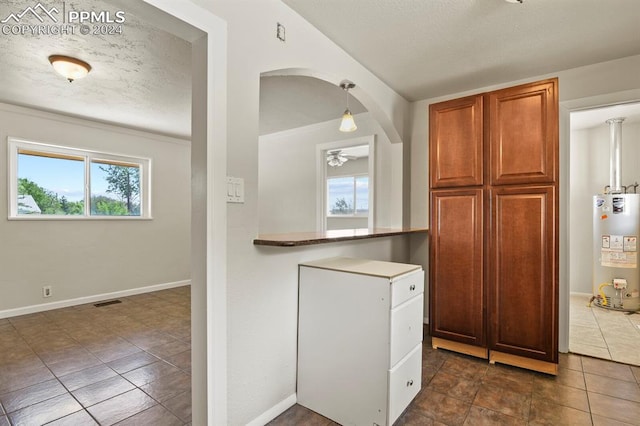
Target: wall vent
(107,303)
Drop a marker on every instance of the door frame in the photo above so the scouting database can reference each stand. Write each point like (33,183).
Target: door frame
(566,108)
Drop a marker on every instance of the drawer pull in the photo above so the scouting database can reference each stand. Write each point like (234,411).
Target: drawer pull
(410,383)
(412,287)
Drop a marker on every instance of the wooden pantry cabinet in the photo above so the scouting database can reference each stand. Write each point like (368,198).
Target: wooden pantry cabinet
(494,225)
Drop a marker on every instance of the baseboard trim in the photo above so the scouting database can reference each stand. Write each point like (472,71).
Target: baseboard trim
(274,411)
(8,313)
(578,293)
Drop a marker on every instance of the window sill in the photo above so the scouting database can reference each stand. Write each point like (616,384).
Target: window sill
(78,218)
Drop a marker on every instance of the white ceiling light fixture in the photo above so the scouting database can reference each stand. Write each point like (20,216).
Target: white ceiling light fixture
(515,1)
(347,124)
(68,67)
(336,159)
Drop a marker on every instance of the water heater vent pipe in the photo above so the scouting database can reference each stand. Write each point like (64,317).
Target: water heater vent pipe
(615,155)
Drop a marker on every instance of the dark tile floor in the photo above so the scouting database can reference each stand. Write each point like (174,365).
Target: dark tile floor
(130,364)
(125,364)
(462,390)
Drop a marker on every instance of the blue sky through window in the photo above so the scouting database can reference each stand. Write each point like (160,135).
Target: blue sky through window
(342,187)
(62,176)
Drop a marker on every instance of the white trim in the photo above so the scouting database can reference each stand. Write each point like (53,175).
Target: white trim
(8,313)
(274,411)
(566,108)
(88,156)
(579,293)
(321,177)
(208,208)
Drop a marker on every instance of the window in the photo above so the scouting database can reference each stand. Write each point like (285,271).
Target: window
(348,196)
(49,181)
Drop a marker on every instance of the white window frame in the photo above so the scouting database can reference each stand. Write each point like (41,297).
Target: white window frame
(17,144)
(321,178)
(346,175)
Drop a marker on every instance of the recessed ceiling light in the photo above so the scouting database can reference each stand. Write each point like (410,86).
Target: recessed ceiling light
(68,67)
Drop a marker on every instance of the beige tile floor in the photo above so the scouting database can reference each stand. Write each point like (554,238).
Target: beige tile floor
(603,333)
(125,364)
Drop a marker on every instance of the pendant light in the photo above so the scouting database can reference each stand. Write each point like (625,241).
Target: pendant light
(68,67)
(347,124)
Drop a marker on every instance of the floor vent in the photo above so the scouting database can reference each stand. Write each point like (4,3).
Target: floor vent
(107,303)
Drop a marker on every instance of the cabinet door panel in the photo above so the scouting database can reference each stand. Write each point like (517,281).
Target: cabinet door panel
(523,134)
(456,280)
(523,284)
(455,142)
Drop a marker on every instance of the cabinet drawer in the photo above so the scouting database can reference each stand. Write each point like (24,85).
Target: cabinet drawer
(406,287)
(404,383)
(406,328)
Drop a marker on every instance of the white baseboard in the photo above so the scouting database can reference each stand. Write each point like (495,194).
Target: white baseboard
(89,299)
(274,411)
(578,293)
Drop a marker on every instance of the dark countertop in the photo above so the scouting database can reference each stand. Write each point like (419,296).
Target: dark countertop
(296,239)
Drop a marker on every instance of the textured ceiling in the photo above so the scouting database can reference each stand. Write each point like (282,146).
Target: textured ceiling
(428,48)
(140,79)
(287,102)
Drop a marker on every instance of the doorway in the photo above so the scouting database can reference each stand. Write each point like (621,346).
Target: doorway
(594,330)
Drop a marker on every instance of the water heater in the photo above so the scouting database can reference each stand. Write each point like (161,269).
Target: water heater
(616,227)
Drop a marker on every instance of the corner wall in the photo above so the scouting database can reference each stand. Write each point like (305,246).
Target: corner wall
(262,282)
(83,258)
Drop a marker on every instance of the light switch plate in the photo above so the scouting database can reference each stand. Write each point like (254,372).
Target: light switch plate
(235,190)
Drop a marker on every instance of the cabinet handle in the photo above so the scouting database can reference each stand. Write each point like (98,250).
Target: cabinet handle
(410,383)
(412,287)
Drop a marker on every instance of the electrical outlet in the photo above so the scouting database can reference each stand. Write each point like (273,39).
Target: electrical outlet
(47,291)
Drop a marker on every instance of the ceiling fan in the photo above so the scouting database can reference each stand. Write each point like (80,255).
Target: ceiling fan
(335,158)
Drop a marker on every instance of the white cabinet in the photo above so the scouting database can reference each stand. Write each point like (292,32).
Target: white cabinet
(359,339)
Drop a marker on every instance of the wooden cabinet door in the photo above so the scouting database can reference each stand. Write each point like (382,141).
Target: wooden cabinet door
(523,134)
(456,266)
(456,142)
(523,273)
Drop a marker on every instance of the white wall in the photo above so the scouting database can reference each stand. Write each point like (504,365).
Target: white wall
(82,258)
(288,160)
(589,86)
(589,173)
(262,281)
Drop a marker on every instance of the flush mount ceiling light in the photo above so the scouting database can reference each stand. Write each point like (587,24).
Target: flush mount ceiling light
(347,124)
(515,1)
(68,67)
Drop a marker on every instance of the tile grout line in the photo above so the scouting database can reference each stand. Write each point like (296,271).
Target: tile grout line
(65,332)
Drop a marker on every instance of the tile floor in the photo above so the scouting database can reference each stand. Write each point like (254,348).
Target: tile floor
(125,364)
(603,333)
(129,364)
(462,390)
